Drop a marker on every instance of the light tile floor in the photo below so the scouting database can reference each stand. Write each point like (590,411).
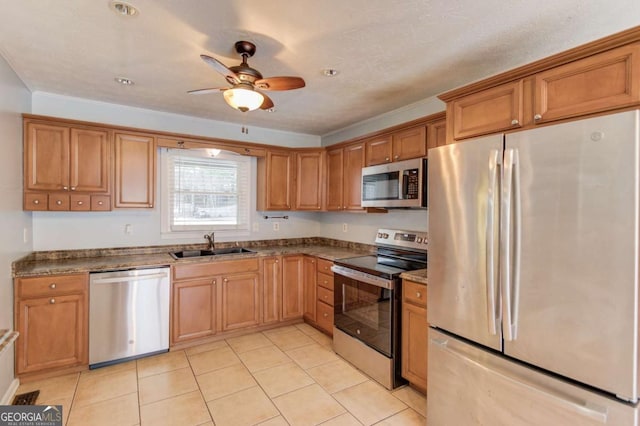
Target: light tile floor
(285,376)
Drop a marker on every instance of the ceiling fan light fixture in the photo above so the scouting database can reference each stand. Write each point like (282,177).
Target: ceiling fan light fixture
(243,99)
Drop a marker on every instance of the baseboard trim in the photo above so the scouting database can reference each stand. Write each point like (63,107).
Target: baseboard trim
(10,393)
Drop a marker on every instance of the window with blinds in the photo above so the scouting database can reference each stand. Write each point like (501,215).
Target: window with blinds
(207,190)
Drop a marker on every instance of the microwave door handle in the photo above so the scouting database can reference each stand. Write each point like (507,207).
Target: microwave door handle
(404,186)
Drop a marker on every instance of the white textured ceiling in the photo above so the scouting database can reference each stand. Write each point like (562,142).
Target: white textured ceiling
(389,53)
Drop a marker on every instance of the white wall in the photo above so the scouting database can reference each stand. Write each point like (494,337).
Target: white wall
(14,100)
(54,105)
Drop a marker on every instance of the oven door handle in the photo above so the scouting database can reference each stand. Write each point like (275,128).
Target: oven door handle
(363,277)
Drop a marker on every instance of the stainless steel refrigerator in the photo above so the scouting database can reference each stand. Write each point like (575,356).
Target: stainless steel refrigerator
(533,276)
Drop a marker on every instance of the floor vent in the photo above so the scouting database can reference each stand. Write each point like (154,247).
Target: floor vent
(28,398)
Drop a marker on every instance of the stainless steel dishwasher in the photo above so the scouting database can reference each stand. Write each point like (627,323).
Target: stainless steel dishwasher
(128,315)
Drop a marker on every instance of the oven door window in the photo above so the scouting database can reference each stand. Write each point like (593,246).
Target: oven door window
(364,311)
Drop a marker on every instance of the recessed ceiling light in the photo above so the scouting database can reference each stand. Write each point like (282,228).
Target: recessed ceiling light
(330,72)
(124,81)
(124,9)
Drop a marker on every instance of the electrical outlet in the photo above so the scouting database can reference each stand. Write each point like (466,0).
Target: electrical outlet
(345,227)
(128,229)
(256,227)
(276,226)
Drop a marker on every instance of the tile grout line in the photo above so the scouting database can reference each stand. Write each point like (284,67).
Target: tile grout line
(195,377)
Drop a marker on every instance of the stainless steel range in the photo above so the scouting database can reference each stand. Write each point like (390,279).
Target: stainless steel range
(367,303)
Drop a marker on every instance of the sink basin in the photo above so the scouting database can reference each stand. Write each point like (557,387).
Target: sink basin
(231,250)
(185,254)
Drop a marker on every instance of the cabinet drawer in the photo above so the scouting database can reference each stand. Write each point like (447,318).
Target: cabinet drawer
(34,201)
(325,281)
(100,202)
(325,295)
(324,266)
(198,270)
(51,285)
(324,317)
(414,293)
(59,202)
(80,202)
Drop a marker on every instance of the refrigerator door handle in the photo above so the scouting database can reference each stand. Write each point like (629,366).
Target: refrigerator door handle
(577,405)
(506,266)
(492,313)
(517,238)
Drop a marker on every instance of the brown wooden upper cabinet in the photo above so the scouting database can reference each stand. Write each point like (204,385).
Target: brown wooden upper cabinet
(437,134)
(589,79)
(64,165)
(397,146)
(275,180)
(309,180)
(601,82)
(490,111)
(344,177)
(135,170)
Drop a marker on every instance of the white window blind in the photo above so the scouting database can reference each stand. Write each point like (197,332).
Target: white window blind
(207,192)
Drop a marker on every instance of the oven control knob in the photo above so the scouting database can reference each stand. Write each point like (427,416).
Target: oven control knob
(385,236)
(419,240)
(358,331)
(379,234)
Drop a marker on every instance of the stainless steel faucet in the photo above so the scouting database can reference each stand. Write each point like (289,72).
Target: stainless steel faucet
(211,239)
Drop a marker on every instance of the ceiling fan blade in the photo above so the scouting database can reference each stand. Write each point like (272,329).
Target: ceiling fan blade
(231,76)
(280,83)
(267,103)
(206,91)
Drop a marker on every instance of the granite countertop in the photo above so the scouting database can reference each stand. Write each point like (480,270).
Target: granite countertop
(419,276)
(95,260)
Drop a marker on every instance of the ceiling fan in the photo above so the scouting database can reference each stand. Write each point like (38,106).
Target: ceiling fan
(245,81)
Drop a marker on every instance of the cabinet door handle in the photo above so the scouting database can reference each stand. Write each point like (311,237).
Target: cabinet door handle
(214,281)
(418,294)
(36,201)
(80,203)
(514,122)
(73,188)
(66,188)
(386,158)
(59,202)
(100,203)
(52,286)
(325,281)
(537,117)
(52,301)
(325,315)
(276,260)
(225,280)
(395,157)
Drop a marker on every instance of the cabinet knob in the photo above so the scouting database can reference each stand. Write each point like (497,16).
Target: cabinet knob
(325,281)
(66,188)
(277,260)
(36,201)
(73,188)
(225,280)
(52,301)
(418,294)
(386,158)
(214,281)
(100,203)
(514,122)
(395,157)
(59,202)
(326,297)
(80,203)
(325,315)
(151,205)
(52,286)
(537,117)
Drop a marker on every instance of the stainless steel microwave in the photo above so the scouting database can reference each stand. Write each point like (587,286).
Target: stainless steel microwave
(402,184)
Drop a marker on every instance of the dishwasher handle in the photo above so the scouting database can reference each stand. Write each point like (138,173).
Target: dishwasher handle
(131,278)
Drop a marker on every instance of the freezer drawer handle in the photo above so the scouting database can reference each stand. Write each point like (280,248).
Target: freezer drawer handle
(579,406)
(492,314)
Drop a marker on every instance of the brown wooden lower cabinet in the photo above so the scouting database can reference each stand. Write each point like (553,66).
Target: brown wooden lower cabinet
(271,269)
(240,301)
(51,315)
(414,333)
(194,309)
(310,288)
(292,287)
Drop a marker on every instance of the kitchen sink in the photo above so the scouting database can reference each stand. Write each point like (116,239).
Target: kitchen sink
(186,254)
